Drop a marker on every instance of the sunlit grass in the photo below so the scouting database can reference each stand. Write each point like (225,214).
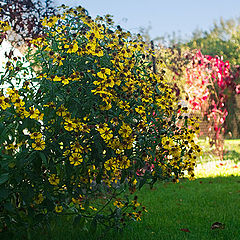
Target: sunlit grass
(209,164)
(217,168)
(230,146)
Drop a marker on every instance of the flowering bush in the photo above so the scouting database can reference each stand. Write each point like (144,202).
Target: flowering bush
(90,127)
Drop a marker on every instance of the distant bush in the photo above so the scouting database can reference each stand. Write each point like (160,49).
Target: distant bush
(208,85)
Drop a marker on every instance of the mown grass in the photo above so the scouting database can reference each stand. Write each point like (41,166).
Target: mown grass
(190,205)
(194,205)
(231,151)
(210,166)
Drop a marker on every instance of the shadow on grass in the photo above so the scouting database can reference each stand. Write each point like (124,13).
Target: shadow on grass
(185,210)
(232,155)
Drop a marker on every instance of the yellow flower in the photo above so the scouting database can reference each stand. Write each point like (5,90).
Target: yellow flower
(67,116)
(115,144)
(76,147)
(69,125)
(118,204)
(50,105)
(76,159)
(57,79)
(12,92)
(58,208)
(39,198)
(105,132)
(40,117)
(114,121)
(21,112)
(36,135)
(65,81)
(58,60)
(137,216)
(4,102)
(135,182)
(135,203)
(110,164)
(75,47)
(49,22)
(38,145)
(125,130)
(105,106)
(54,179)
(167,143)
(109,82)
(13,146)
(124,105)
(140,109)
(4,26)
(93,208)
(77,200)
(103,73)
(14,96)
(144,209)
(33,113)
(128,143)
(66,153)
(19,102)
(175,151)
(61,111)
(124,163)
(72,48)
(83,127)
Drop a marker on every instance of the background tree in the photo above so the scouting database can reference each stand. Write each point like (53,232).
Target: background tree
(24,17)
(223,40)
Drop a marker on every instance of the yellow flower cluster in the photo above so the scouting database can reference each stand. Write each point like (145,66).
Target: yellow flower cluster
(50,22)
(39,198)
(75,150)
(54,179)
(115,164)
(12,98)
(4,26)
(39,143)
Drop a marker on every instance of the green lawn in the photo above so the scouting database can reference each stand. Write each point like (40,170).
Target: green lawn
(231,151)
(210,166)
(190,205)
(194,205)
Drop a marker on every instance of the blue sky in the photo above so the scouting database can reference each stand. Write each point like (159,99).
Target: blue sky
(164,16)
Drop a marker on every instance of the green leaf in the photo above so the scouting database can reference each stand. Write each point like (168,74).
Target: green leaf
(21,158)
(37,163)
(4,193)
(9,207)
(142,182)
(99,178)
(124,175)
(4,177)
(93,226)
(43,157)
(78,220)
